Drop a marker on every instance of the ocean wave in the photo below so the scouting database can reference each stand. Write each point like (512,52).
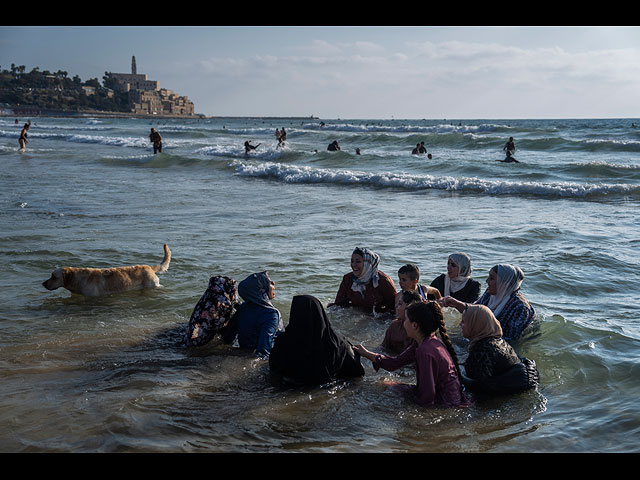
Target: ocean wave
(265,152)
(368,128)
(602,169)
(79,138)
(255,131)
(53,127)
(374,127)
(301,174)
(585,144)
(477,138)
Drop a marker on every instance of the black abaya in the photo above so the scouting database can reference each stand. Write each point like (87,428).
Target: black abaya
(309,351)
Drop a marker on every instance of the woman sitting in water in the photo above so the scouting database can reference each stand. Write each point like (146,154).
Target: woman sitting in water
(436,363)
(505,300)
(258,321)
(366,286)
(309,351)
(213,312)
(492,365)
(457,282)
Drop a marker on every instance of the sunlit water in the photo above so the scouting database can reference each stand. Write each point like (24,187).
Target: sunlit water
(111,375)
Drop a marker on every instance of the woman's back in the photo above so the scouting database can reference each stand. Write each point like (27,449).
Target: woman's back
(309,351)
(490,356)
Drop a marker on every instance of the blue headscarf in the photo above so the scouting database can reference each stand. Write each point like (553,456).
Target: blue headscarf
(255,289)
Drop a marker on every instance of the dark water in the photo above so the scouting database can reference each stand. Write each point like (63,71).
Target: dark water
(110,374)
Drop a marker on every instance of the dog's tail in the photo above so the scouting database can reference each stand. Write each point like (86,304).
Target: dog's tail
(164,266)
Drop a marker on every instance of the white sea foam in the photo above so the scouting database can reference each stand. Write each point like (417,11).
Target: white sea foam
(302,174)
(405,128)
(264,152)
(80,138)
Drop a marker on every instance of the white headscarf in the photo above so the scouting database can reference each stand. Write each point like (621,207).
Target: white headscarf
(463,262)
(369,271)
(509,278)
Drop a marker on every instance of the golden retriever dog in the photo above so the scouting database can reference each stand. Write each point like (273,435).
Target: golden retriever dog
(93,282)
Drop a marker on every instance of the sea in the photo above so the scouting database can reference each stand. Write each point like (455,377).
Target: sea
(111,374)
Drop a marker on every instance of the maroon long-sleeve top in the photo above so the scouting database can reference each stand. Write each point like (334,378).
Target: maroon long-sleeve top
(382,297)
(436,374)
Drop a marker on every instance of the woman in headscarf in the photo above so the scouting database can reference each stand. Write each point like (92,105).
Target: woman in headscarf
(366,286)
(309,351)
(505,300)
(492,365)
(258,321)
(457,282)
(213,311)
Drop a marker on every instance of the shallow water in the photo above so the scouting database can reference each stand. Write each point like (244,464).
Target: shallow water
(110,374)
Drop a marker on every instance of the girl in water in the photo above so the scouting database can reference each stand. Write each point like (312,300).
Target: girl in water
(436,363)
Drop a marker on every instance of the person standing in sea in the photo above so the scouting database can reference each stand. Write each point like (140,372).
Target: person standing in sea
(23,137)
(156,140)
(510,149)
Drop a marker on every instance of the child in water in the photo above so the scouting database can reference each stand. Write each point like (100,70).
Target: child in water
(436,363)
(395,338)
(409,276)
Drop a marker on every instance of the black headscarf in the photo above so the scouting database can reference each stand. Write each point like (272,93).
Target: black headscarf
(309,351)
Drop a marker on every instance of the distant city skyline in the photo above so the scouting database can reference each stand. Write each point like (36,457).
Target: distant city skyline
(357,72)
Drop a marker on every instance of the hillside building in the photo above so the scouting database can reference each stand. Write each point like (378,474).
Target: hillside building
(146,96)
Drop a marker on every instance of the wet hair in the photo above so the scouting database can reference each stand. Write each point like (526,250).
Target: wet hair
(429,317)
(409,297)
(410,269)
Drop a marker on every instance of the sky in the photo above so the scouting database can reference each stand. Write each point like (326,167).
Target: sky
(359,72)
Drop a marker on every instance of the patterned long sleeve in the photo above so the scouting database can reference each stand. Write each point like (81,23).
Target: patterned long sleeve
(516,315)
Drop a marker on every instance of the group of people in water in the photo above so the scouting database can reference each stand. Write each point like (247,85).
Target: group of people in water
(281,136)
(509,149)
(334,146)
(420,148)
(310,352)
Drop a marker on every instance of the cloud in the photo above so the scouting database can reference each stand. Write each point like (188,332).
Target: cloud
(448,74)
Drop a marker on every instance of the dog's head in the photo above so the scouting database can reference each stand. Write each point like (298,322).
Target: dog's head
(55,281)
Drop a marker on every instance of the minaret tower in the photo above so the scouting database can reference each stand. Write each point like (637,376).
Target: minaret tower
(133,65)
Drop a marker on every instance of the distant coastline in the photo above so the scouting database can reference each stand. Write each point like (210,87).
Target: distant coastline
(34,111)
(45,93)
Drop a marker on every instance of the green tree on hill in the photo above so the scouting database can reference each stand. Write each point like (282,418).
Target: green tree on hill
(56,91)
